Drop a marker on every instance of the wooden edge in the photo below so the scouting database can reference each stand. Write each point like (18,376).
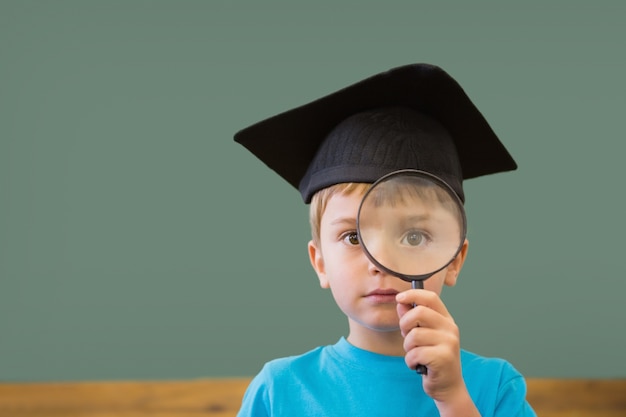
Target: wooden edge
(222,396)
(574,394)
(120,394)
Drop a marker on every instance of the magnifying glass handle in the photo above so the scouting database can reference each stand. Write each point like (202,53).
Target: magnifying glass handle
(419,285)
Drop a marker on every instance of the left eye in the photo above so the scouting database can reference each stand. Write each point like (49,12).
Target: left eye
(413,238)
(351,238)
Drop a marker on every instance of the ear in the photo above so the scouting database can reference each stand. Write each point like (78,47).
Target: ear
(317,261)
(454,269)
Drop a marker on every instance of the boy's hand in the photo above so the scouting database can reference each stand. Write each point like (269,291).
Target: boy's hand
(431,338)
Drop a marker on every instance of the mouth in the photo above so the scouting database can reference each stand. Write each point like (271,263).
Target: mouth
(382,296)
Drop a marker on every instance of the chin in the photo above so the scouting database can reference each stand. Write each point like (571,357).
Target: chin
(381,327)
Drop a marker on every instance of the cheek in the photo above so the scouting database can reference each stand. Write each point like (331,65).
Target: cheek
(338,273)
(344,267)
(435,283)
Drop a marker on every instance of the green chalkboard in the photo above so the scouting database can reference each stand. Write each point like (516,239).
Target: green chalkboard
(137,240)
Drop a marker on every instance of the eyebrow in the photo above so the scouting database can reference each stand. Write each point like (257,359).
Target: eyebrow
(417,218)
(343,220)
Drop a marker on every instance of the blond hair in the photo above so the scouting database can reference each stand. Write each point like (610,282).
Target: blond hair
(320,199)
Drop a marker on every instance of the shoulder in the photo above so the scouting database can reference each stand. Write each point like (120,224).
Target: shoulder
(286,370)
(477,367)
(288,366)
(495,385)
(472,361)
(281,382)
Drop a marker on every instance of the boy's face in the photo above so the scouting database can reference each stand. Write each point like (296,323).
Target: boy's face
(363,292)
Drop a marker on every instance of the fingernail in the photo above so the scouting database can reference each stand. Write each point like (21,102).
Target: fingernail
(400,297)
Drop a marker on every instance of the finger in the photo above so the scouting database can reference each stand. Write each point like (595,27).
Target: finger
(422,316)
(435,358)
(419,337)
(402,309)
(422,297)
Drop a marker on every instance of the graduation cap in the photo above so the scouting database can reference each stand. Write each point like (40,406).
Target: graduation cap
(410,117)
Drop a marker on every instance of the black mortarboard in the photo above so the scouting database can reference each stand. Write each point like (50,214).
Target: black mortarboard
(414,116)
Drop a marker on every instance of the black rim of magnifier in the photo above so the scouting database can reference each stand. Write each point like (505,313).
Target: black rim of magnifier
(435,179)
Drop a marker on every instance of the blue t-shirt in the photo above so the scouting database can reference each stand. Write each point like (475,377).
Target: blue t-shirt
(343,380)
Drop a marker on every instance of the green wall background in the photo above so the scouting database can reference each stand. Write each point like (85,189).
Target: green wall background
(137,240)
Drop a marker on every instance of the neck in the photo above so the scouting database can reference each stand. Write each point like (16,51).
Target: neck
(388,342)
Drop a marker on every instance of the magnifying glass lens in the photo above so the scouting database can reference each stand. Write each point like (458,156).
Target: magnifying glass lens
(411,224)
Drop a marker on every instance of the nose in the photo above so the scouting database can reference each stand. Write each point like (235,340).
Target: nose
(373,269)
(381,252)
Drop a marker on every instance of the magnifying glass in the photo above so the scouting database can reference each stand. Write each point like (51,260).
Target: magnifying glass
(411,224)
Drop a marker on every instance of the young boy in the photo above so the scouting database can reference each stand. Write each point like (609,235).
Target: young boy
(411,117)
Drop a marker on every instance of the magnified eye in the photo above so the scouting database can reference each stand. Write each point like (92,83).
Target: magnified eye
(351,238)
(414,238)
